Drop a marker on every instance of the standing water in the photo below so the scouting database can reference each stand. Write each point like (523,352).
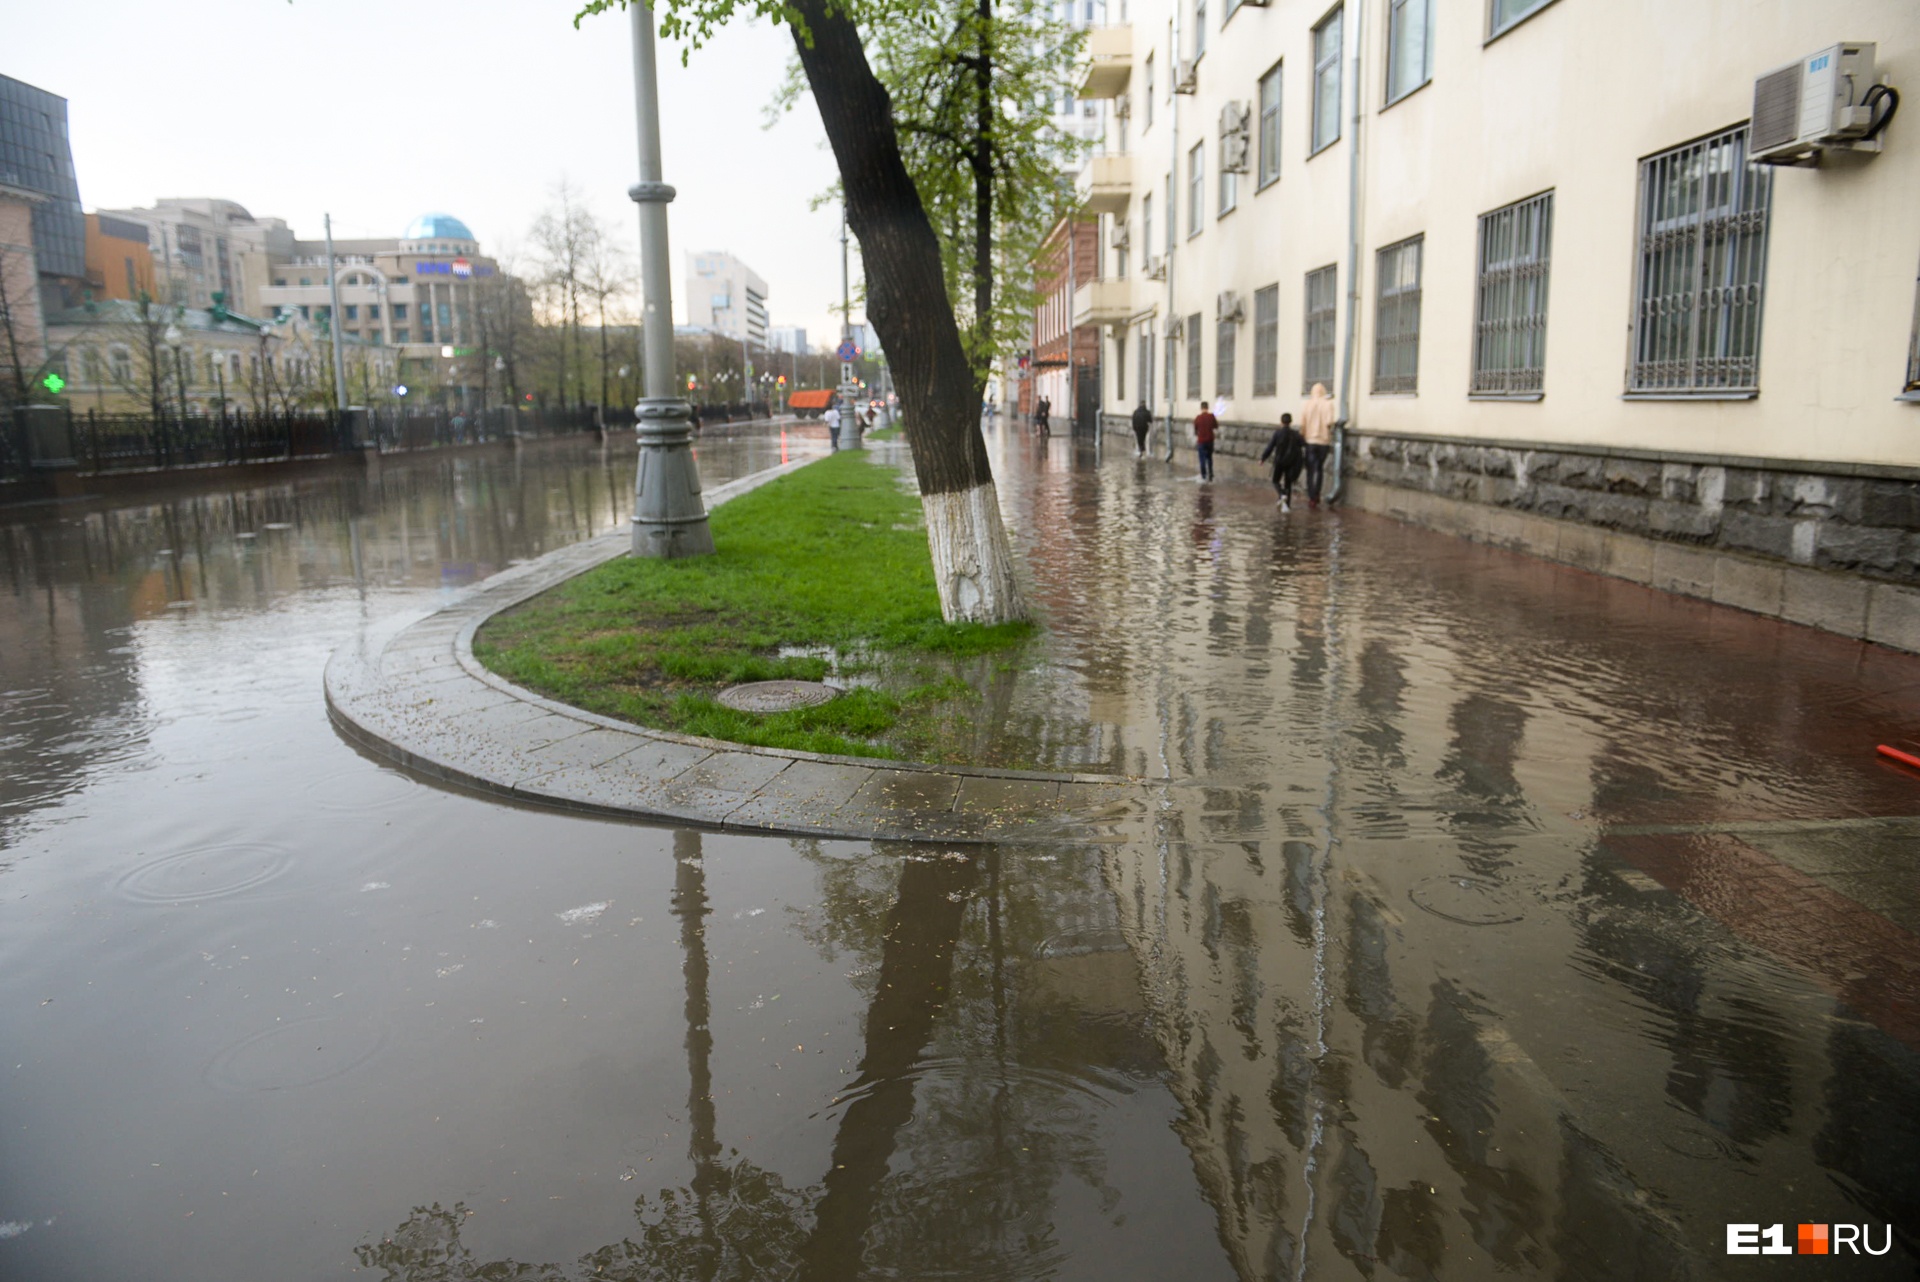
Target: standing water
(1497,919)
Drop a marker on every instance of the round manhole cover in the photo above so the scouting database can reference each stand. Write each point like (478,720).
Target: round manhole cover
(1471,901)
(776,696)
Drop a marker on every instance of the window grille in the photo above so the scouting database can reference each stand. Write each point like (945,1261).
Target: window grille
(1166,389)
(1270,126)
(1226,334)
(1193,357)
(1146,364)
(1266,341)
(1702,269)
(1396,344)
(1326,81)
(1316,365)
(1409,46)
(1510,312)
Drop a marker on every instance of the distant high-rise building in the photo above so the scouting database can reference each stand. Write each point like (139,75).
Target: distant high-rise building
(204,245)
(725,296)
(788,338)
(36,174)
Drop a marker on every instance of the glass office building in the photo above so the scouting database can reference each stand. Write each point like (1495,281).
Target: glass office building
(35,154)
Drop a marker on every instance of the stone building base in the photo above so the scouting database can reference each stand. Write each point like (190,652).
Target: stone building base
(1829,545)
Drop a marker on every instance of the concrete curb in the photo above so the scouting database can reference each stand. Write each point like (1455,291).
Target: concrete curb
(410,690)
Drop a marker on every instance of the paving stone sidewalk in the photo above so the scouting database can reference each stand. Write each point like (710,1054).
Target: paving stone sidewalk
(411,691)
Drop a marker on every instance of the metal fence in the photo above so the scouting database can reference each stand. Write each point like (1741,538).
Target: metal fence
(103,443)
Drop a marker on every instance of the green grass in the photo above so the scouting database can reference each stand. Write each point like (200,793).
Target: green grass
(829,559)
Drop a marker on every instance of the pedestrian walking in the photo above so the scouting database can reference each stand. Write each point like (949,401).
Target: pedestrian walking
(1288,453)
(1142,424)
(1316,428)
(1042,411)
(1204,426)
(832,417)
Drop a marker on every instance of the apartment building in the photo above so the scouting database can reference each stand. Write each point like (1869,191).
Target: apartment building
(726,297)
(1532,248)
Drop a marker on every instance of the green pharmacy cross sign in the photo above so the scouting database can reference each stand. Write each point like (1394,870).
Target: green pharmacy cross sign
(53,382)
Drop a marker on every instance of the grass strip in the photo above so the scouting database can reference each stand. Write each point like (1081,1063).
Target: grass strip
(822,571)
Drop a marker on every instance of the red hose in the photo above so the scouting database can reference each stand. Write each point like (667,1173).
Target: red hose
(1904,758)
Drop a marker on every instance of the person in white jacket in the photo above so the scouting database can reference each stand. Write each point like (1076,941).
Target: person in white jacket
(832,417)
(1316,428)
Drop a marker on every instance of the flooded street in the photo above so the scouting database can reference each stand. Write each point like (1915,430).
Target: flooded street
(1500,919)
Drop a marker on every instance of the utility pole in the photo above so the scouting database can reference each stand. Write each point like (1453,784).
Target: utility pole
(669,514)
(333,328)
(849,411)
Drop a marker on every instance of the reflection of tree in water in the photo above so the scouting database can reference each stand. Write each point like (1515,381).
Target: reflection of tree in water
(967,1109)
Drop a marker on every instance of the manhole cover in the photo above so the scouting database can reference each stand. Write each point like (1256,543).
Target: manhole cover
(1470,901)
(776,696)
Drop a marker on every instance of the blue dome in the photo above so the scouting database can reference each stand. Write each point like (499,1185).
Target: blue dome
(437,227)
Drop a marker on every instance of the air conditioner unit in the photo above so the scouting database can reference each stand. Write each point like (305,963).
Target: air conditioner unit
(1828,100)
(1227,306)
(1186,77)
(1156,268)
(1236,129)
(1118,237)
(1176,329)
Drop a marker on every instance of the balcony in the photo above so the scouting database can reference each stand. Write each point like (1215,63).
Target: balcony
(1102,302)
(1109,62)
(1105,185)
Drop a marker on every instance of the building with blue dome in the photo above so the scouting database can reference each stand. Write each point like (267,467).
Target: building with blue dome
(438,233)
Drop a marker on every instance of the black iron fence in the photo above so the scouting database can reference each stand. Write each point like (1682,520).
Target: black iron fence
(101,443)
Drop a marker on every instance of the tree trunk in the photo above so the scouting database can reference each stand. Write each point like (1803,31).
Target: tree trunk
(907,303)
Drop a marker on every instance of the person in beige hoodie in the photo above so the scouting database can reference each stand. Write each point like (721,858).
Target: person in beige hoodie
(1316,427)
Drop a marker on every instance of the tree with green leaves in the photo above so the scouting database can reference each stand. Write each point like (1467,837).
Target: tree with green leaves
(908,299)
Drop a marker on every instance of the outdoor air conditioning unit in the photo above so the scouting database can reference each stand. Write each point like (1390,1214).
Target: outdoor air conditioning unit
(1118,237)
(1227,306)
(1176,329)
(1236,130)
(1827,101)
(1156,268)
(1186,77)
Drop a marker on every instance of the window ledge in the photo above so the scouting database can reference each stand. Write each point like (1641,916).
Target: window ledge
(1506,396)
(1259,187)
(1395,102)
(1911,398)
(1516,24)
(1394,396)
(1326,147)
(1690,396)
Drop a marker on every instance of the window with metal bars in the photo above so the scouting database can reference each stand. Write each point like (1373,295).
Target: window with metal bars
(1166,390)
(1396,321)
(1266,341)
(1225,335)
(1316,365)
(1270,126)
(1192,334)
(1702,269)
(1510,304)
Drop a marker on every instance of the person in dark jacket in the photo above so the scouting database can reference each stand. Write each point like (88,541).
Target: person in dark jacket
(1142,424)
(1288,451)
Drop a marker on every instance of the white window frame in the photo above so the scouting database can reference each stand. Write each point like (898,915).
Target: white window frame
(1399,13)
(1268,161)
(1191,332)
(1326,70)
(1196,189)
(1225,343)
(1266,341)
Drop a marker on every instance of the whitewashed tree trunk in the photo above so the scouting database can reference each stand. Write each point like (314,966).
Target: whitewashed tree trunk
(972,562)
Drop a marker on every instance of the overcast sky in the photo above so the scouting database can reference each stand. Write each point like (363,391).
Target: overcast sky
(380,110)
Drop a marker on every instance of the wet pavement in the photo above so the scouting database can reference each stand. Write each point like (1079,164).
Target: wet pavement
(1518,921)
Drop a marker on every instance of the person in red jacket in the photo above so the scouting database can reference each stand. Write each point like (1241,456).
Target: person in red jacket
(1204,426)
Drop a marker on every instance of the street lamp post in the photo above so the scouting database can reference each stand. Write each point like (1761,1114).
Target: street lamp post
(669,514)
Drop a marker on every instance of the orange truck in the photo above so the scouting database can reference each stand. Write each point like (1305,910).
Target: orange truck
(810,404)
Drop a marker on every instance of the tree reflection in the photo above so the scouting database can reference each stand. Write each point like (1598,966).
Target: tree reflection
(968,1106)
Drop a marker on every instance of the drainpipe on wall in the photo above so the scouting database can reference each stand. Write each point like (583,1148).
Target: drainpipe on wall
(1345,411)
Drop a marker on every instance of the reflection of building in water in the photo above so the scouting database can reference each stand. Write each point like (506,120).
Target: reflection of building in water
(1421,1006)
